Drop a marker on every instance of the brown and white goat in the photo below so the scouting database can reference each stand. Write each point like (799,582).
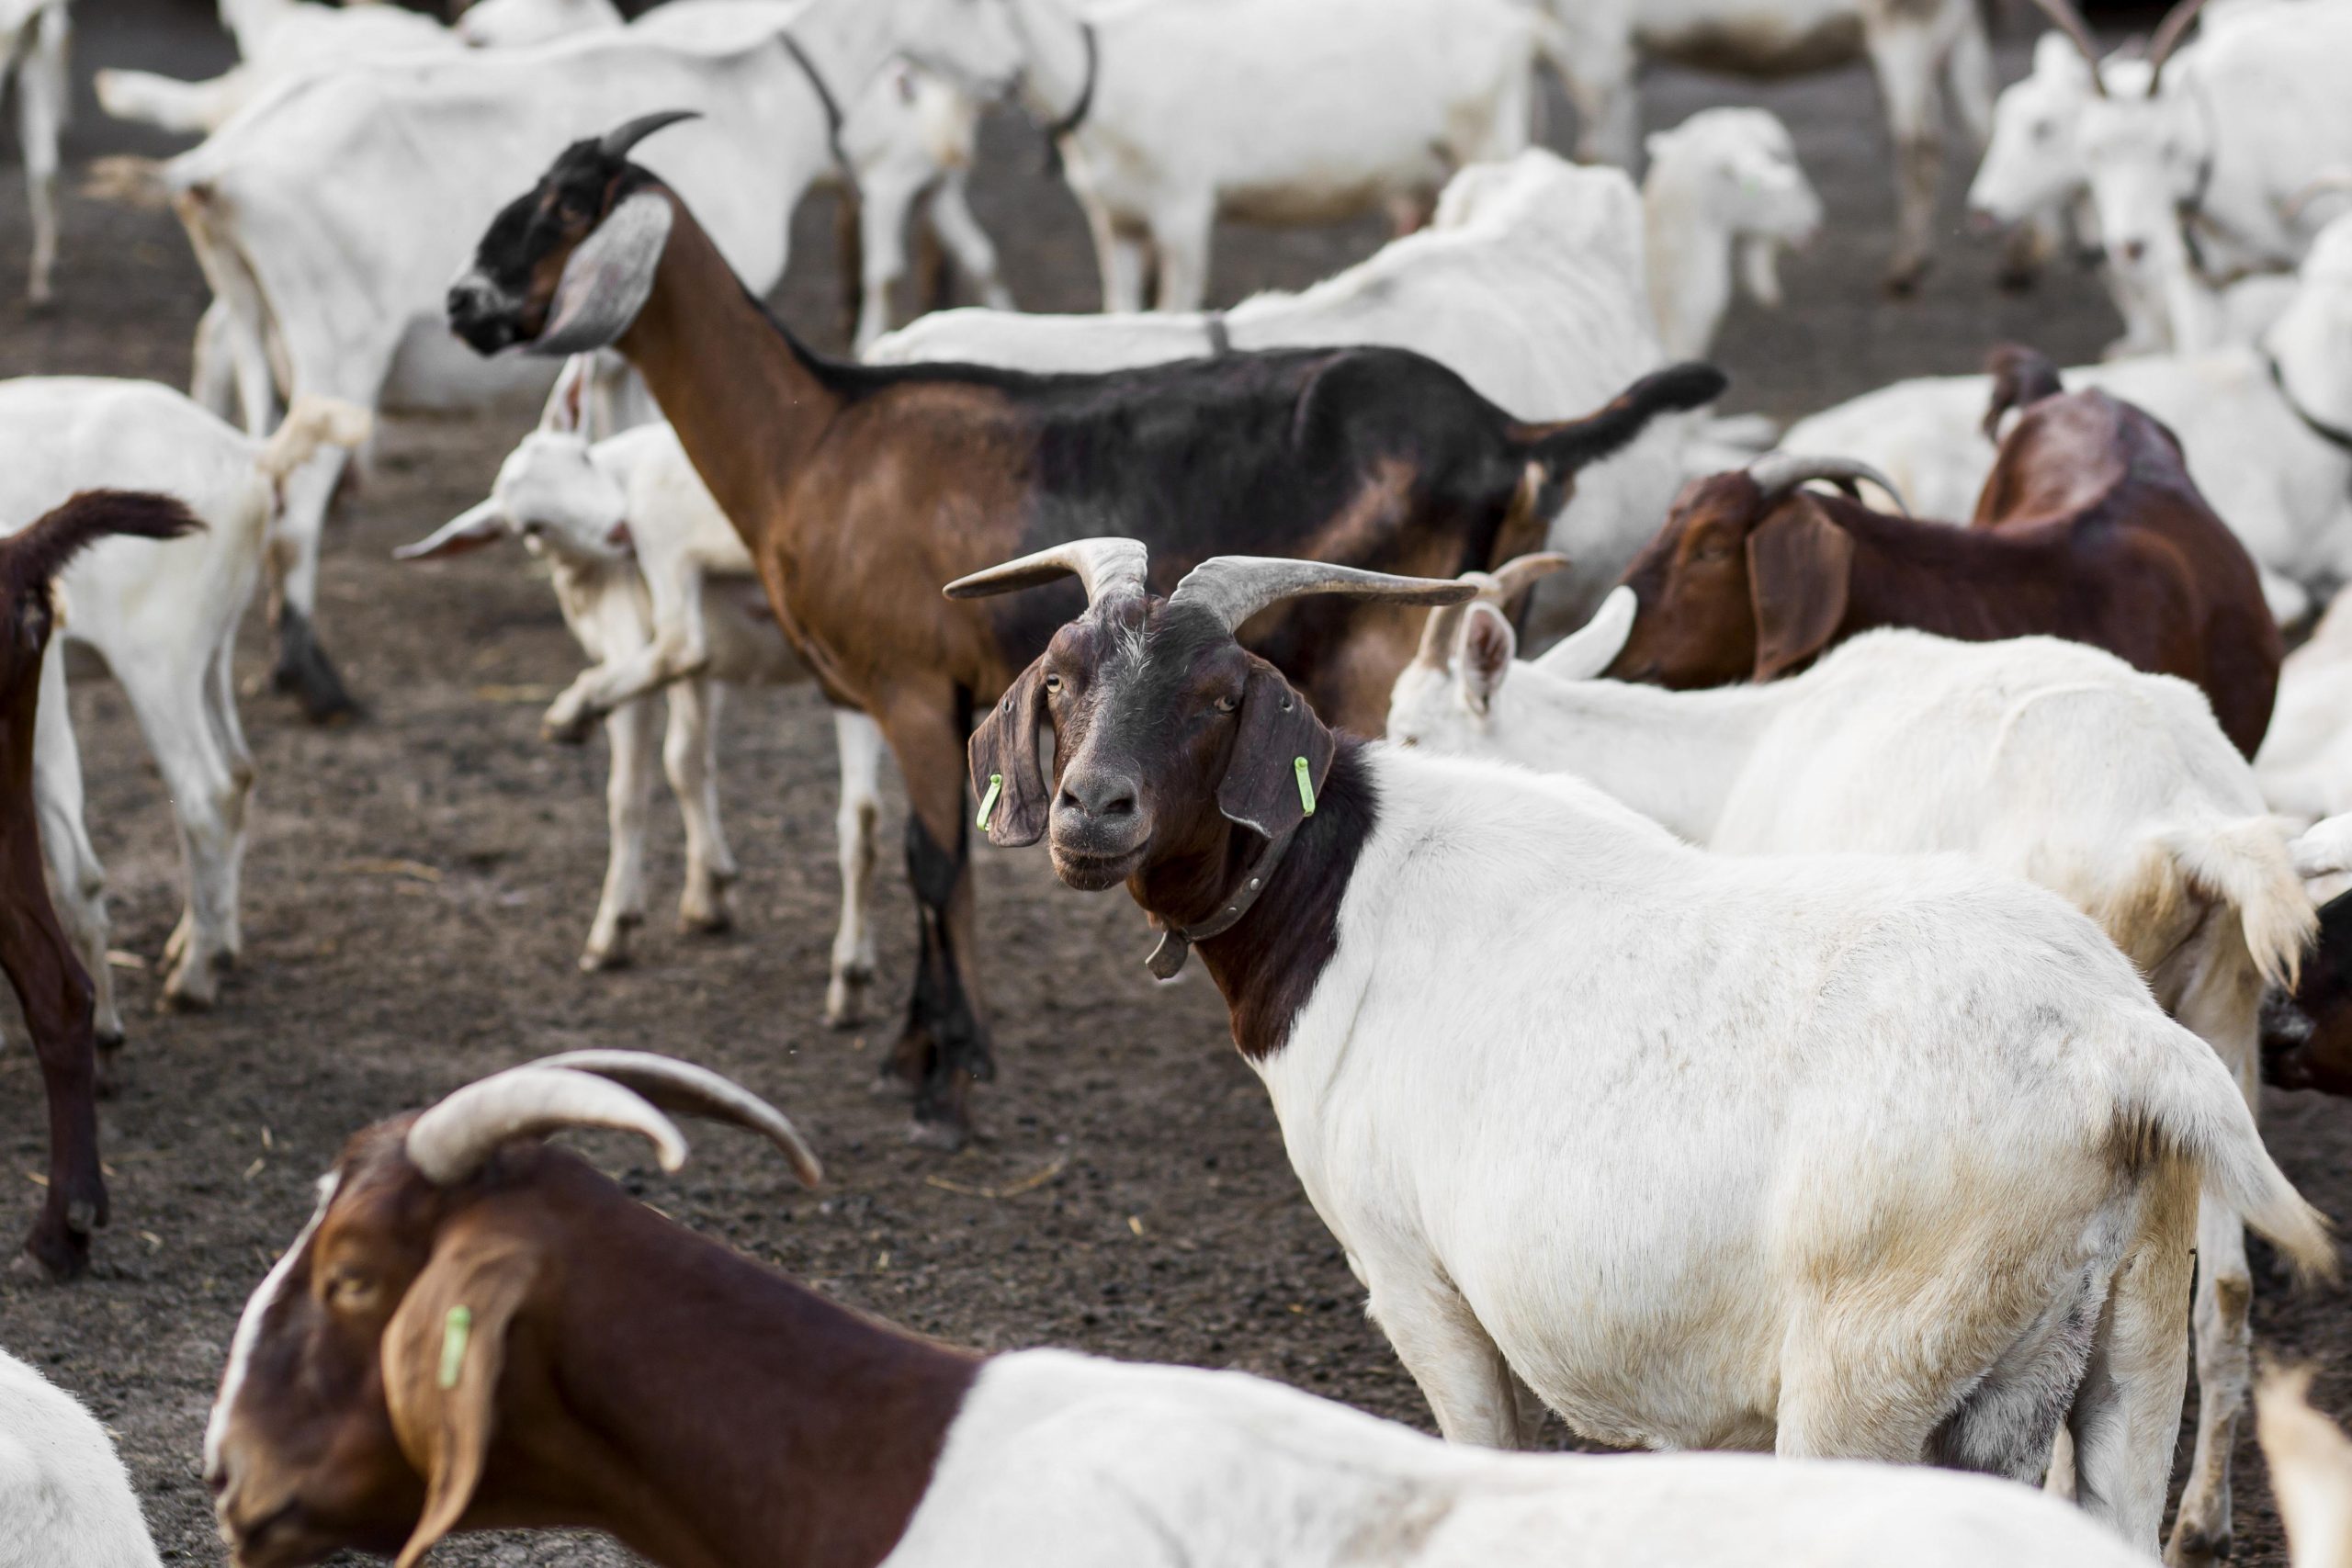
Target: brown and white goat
(50,984)
(477,1331)
(2090,528)
(860,488)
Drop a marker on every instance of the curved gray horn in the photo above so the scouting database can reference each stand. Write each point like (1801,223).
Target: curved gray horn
(451,1141)
(617,142)
(2070,22)
(1233,588)
(1777,473)
(1520,573)
(2169,32)
(1102,566)
(685,1089)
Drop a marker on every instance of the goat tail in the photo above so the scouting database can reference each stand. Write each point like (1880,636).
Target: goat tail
(167,103)
(1564,448)
(38,552)
(2021,376)
(2246,864)
(2187,1104)
(2311,1468)
(313,421)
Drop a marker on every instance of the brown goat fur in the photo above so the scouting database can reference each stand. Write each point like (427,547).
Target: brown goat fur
(2088,527)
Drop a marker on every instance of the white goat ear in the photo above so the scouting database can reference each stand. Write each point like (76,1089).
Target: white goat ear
(1482,662)
(482,523)
(1759,270)
(567,410)
(1584,653)
(608,277)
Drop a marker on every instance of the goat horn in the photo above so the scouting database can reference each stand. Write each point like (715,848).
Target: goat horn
(2334,182)
(1777,473)
(1233,588)
(685,1089)
(1501,586)
(2169,32)
(621,138)
(2070,22)
(452,1140)
(1103,566)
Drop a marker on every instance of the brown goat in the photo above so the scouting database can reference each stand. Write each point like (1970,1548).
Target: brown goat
(50,984)
(2088,527)
(859,489)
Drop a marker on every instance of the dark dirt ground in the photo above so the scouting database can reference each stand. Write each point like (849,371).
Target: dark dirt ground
(419,884)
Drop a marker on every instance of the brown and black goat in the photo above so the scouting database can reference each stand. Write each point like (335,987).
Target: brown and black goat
(859,489)
(2088,528)
(50,984)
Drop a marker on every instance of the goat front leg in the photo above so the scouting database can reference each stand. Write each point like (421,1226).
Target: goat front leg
(1460,1369)
(675,654)
(1903,55)
(950,212)
(1180,234)
(628,803)
(54,992)
(857,740)
(690,753)
(41,102)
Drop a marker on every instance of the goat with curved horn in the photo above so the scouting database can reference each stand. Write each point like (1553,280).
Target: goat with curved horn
(1102,566)
(617,142)
(2070,22)
(2169,32)
(685,1089)
(1777,473)
(1233,588)
(452,1141)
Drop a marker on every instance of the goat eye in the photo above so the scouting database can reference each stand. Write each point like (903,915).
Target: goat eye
(349,1289)
(1053,682)
(1228,703)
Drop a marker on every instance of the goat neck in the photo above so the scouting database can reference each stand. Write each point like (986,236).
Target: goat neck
(1675,757)
(747,400)
(703,1409)
(1686,257)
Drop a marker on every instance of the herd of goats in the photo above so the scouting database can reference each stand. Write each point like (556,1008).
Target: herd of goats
(1817,1004)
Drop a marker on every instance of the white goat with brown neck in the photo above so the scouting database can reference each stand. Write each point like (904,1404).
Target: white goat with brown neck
(2050,760)
(1854,1155)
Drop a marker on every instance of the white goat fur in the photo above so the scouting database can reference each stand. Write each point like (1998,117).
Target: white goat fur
(332,212)
(1273,111)
(2048,760)
(1920,51)
(2281,488)
(1724,190)
(63,1493)
(2310,1471)
(1529,284)
(2305,763)
(1065,1461)
(164,615)
(514,24)
(675,605)
(34,36)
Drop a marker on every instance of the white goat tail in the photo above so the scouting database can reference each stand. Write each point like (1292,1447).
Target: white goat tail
(2246,864)
(189,108)
(313,421)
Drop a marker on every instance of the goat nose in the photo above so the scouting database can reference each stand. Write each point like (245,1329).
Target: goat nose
(1102,797)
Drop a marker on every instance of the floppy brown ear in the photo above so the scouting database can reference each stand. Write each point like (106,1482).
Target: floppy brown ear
(1006,774)
(443,1353)
(1800,565)
(1261,788)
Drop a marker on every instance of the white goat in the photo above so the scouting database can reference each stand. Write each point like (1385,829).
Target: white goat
(165,619)
(277,41)
(1274,111)
(34,35)
(1529,284)
(1724,189)
(658,588)
(2305,764)
(1847,1156)
(513,24)
(2271,451)
(2049,760)
(63,1493)
(1912,46)
(331,214)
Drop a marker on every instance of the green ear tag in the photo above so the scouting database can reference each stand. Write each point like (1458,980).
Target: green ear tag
(1305,787)
(455,1331)
(988,801)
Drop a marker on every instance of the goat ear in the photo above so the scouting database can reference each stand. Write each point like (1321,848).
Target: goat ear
(1800,565)
(1759,270)
(1484,656)
(442,1354)
(567,410)
(1261,788)
(608,277)
(1007,775)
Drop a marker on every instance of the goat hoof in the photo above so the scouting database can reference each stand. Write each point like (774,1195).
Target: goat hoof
(53,1253)
(594,963)
(2017,279)
(844,1009)
(183,994)
(1903,279)
(2195,1546)
(304,672)
(570,730)
(711,921)
(943,1137)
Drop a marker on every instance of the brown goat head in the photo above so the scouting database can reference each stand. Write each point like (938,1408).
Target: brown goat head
(1747,580)
(362,1398)
(1168,733)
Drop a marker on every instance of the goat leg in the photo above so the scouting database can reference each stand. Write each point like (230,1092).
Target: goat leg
(304,672)
(56,996)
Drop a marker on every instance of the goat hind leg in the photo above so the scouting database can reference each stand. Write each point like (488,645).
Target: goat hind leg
(40,113)
(77,879)
(54,992)
(207,798)
(858,744)
(690,753)
(628,803)
(2126,1416)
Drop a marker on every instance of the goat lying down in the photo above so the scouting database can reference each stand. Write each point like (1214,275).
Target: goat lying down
(63,1492)
(749,1420)
(658,590)
(2048,760)
(1756,1105)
